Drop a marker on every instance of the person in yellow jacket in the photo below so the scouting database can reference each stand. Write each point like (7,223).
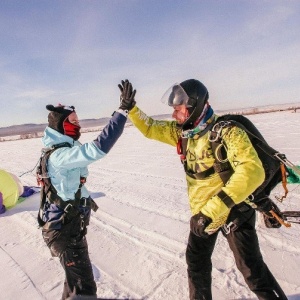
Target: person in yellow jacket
(215,206)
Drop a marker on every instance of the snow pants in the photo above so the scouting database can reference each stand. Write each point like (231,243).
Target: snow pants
(245,247)
(70,245)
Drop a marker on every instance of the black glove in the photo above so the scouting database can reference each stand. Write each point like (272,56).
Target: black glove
(265,205)
(198,223)
(127,101)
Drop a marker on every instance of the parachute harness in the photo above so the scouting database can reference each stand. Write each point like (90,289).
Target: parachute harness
(222,165)
(49,193)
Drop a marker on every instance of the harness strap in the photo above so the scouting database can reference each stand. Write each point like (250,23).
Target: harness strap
(226,199)
(241,213)
(221,165)
(49,193)
(70,207)
(182,151)
(201,175)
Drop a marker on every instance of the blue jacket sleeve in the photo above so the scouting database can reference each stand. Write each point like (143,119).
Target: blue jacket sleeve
(81,156)
(110,133)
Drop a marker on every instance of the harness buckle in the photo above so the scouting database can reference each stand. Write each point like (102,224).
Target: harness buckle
(251,198)
(82,223)
(281,157)
(83,202)
(217,129)
(227,227)
(68,208)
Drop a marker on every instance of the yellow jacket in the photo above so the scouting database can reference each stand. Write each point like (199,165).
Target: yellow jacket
(248,170)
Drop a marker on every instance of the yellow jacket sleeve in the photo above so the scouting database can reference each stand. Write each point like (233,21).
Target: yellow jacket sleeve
(248,172)
(163,131)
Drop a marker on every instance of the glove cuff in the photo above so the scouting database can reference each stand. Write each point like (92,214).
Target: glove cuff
(123,112)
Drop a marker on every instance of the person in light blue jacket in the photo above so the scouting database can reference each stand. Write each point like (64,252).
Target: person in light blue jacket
(66,204)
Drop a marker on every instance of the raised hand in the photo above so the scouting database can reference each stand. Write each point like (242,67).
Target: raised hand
(127,101)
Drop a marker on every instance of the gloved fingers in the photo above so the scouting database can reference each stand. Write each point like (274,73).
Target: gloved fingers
(198,223)
(128,90)
(126,87)
(199,232)
(124,82)
(127,101)
(203,234)
(197,228)
(120,87)
(133,95)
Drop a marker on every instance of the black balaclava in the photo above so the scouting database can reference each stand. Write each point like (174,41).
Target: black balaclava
(58,115)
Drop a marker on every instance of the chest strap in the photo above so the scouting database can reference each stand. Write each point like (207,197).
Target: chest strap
(70,207)
(200,175)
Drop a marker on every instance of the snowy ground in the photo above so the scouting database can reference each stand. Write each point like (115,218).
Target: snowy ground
(137,238)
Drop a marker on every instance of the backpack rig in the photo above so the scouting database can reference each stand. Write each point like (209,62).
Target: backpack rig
(277,167)
(49,193)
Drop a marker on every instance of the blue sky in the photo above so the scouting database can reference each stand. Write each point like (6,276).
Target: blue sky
(247,53)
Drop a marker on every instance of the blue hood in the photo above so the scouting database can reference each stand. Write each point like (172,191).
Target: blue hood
(52,137)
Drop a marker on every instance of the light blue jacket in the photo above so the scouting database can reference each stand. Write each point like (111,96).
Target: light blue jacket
(66,165)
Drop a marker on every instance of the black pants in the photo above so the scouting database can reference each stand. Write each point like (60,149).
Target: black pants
(70,245)
(244,244)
